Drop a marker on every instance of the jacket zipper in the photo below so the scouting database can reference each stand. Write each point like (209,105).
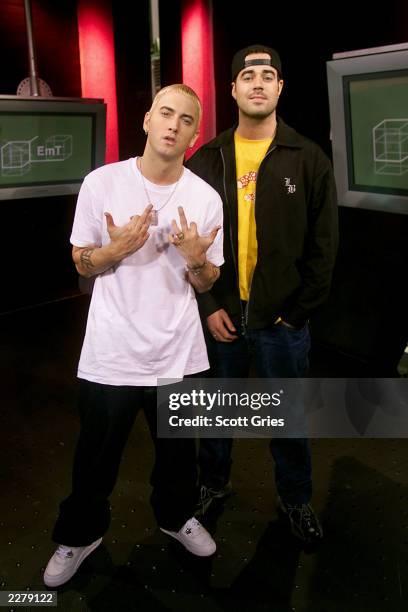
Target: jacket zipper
(249,290)
(243,320)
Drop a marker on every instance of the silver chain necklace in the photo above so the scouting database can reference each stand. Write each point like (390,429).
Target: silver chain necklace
(155,211)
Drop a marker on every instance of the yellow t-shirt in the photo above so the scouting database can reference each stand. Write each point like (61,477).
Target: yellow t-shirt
(248,155)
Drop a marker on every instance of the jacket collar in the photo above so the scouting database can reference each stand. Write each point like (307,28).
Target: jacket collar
(285,137)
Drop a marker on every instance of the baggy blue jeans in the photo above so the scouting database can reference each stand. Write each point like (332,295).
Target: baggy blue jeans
(276,352)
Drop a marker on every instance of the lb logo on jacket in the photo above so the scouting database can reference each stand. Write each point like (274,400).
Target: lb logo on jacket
(290,187)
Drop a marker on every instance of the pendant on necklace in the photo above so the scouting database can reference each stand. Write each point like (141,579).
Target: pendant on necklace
(155,217)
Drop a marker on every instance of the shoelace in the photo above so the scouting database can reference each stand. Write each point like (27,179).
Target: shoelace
(64,551)
(306,515)
(204,496)
(205,492)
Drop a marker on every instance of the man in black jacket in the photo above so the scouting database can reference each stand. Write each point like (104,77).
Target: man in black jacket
(280,242)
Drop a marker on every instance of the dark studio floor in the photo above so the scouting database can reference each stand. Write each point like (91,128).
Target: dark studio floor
(361,493)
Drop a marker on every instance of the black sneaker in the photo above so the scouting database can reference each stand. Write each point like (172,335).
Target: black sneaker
(208,496)
(303,522)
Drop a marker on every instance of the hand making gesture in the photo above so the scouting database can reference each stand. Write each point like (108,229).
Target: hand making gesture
(129,238)
(188,242)
(125,240)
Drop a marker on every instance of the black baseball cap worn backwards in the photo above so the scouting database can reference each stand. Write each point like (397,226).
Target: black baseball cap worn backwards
(239,63)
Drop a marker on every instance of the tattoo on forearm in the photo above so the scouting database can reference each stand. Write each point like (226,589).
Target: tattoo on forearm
(85,259)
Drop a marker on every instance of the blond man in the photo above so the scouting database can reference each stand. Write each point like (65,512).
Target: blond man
(148,230)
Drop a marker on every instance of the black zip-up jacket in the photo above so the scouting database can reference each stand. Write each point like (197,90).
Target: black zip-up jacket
(296,229)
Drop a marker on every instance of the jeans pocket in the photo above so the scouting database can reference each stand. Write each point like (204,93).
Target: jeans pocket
(291,328)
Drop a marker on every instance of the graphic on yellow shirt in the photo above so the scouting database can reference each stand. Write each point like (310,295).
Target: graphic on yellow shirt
(249,155)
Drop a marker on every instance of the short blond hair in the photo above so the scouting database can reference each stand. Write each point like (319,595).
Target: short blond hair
(179,88)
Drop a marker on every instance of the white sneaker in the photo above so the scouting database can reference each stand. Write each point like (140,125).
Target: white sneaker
(65,562)
(195,538)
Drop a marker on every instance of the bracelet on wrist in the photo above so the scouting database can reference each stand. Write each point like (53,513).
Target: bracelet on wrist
(196,270)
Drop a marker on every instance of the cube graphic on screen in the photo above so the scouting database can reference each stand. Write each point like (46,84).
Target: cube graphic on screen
(60,146)
(368,98)
(15,158)
(48,145)
(390,144)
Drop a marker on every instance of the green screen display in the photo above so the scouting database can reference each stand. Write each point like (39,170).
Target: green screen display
(44,148)
(377,132)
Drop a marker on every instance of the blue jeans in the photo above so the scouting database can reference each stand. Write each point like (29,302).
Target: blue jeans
(277,352)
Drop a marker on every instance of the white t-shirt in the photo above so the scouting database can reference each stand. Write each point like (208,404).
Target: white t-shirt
(143,322)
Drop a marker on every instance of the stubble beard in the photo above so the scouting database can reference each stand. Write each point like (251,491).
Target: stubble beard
(261,113)
(258,115)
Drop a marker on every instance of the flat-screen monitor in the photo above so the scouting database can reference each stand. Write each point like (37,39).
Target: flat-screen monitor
(368,97)
(48,145)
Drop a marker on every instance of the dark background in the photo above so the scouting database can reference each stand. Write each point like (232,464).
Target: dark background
(365,318)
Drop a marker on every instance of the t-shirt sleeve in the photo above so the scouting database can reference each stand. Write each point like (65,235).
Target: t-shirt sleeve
(87,227)
(215,218)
